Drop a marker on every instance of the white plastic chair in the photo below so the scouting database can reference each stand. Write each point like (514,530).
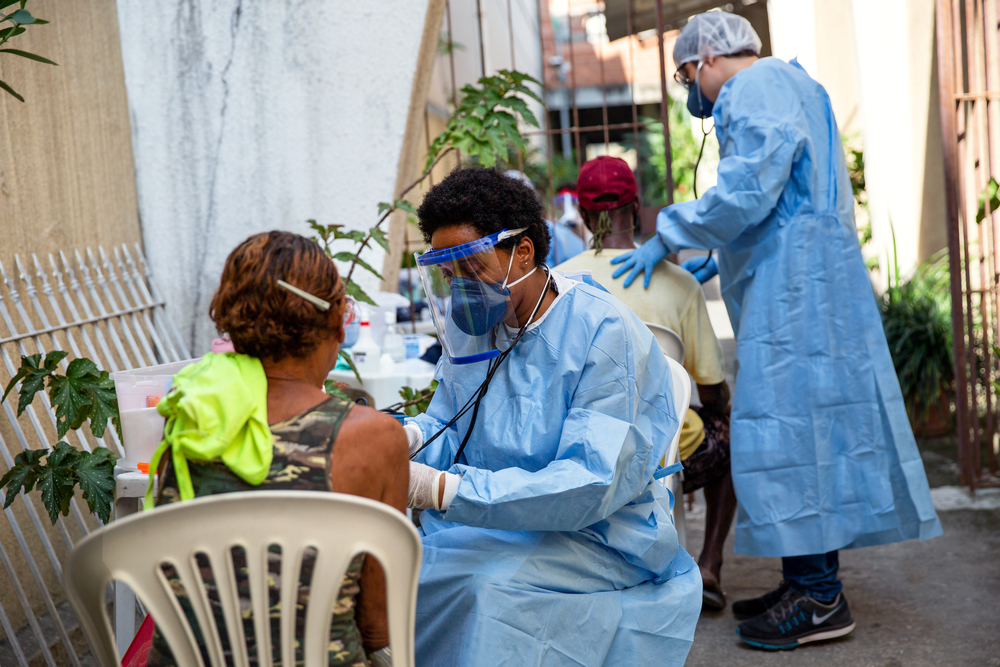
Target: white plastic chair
(681,383)
(669,340)
(337,526)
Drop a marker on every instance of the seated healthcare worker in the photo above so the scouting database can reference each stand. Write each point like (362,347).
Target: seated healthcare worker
(550,542)
(822,453)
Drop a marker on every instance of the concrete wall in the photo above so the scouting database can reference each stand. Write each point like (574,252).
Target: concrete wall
(876,60)
(249,116)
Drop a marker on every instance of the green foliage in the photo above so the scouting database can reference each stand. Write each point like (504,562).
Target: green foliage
(447,45)
(486,119)
(684,148)
(15,22)
(917,322)
(415,401)
(331,387)
(989,194)
(83,393)
(63,469)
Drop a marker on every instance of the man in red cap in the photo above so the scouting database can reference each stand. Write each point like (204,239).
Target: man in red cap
(609,205)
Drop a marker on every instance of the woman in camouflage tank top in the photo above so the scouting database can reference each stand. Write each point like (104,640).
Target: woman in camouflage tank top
(320,442)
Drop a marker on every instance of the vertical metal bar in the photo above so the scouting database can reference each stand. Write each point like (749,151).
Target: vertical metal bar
(551,191)
(158,346)
(604,91)
(117,287)
(992,69)
(482,47)
(15,645)
(510,27)
(572,76)
(946,98)
(43,643)
(182,348)
(631,91)
(68,330)
(664,108)
(100,280)
(147,299)
(107,361)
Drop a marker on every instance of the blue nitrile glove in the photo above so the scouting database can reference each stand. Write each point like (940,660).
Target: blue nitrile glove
(701,270)
(643,258)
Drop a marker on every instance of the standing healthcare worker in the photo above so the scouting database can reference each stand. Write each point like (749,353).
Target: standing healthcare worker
(549,542)
(823,457)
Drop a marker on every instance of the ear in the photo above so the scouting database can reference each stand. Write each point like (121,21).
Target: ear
(524,252)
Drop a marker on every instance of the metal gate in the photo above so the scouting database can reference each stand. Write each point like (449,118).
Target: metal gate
(102,306)
(968,50)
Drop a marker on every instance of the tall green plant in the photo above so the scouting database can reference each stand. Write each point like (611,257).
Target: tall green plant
(83,394)
(15,21)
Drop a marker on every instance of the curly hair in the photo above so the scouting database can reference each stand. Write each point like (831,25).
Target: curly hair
(265,321)
(490,202)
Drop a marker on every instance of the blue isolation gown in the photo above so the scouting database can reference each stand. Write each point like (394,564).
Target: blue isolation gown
(563,244)
(559,548)
(823,457)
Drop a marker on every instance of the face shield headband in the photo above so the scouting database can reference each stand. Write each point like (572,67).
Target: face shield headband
(469,295)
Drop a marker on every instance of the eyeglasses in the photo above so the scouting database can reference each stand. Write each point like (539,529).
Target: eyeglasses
(680,78)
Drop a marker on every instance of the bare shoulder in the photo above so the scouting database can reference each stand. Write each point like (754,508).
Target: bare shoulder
(380,437)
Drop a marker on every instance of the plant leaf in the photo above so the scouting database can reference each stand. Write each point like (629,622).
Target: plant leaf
(344,256)
(103,405)
(7,33)
(380,238)
(383,206)
(24,474)
(346,356)
(331,388)
(7,3)
(56,479)
(355,291)
(32,375)
(29,56)
(70,396)
(406,206)
(22,16)
(95,474)
(368,267)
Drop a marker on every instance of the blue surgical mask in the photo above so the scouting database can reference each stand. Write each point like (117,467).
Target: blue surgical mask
(699,105)
(477,307)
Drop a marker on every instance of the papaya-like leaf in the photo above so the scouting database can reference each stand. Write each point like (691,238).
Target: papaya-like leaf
(24,474)
(331,388)
(346,356)
(344,256)
(406,206)
(380,238)
(95,474)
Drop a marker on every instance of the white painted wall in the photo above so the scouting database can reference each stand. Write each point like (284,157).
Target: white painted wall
(249,116)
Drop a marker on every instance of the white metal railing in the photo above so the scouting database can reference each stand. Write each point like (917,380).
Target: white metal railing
(110,299)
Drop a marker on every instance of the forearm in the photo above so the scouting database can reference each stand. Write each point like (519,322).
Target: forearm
(370,614)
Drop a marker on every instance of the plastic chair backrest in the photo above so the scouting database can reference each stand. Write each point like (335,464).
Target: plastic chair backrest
(681,386)
(670,342)
(337,526)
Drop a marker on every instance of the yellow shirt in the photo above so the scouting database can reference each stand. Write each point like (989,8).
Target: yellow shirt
(674,300)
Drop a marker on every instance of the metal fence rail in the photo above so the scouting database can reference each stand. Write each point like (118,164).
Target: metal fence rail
(107,308)
(969,82)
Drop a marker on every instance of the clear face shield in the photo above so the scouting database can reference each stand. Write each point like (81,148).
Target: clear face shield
(468,293)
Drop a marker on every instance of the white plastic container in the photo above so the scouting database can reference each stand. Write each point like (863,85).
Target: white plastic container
(142,431)
(392,342)
(142,426)
(366,353)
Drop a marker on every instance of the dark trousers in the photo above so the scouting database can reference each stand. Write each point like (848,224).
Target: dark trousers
(815,575)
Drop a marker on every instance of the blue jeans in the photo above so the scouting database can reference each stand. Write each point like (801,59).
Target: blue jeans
(815,575)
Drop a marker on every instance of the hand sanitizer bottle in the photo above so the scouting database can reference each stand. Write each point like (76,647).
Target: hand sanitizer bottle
(366,353)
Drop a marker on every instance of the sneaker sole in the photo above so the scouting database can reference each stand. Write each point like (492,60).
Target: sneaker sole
(816,637)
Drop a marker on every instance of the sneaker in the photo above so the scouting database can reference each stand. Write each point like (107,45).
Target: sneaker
(747,609)
(797,619)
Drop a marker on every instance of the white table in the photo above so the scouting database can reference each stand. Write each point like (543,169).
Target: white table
(130,488)
(384,384)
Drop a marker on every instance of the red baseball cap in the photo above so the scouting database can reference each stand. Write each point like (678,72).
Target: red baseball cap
(605,175)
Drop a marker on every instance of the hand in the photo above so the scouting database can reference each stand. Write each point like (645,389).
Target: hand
(431,488)
(700,269)
(414,436)
(642,259)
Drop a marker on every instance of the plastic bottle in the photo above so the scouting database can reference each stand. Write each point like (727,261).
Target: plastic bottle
(392,342)
(412,346)
(366,353)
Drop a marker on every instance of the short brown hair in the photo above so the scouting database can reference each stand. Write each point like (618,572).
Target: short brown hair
(265,321)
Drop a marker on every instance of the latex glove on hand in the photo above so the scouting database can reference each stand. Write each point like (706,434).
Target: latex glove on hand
(642,259)
(430,488)
(414,437)
(700,269)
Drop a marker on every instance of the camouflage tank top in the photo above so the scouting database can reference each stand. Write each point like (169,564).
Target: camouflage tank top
(302,449)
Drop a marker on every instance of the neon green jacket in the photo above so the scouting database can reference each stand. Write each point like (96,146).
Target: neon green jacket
(216,409)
